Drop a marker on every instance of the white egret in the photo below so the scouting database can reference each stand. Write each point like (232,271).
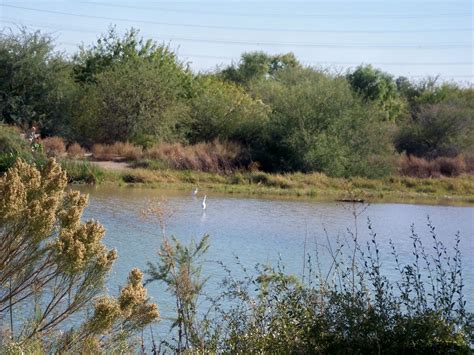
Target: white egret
(204,203)
(195,191)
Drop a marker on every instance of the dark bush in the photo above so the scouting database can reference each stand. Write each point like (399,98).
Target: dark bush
(444,129)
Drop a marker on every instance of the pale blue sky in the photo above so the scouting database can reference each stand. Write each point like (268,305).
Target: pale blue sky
(411,38)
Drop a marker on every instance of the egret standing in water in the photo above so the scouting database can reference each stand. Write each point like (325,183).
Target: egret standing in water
(195,191)
(204,203)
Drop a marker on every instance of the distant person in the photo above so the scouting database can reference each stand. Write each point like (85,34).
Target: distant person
(32,136)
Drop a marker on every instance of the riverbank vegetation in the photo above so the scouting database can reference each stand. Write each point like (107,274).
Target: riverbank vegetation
(132,97)
(53,267)
(317,186)
(350,307)
(212,167)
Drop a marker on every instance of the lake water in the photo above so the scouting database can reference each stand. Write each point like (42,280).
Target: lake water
(265,231)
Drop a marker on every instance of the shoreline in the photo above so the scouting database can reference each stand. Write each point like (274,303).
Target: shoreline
(457,191)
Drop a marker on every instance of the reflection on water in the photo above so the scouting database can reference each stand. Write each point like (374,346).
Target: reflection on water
(262,231)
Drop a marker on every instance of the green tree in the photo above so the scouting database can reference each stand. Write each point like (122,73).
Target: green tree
(258,65)
(442,129)
(225,111)
(379,87)
(134,89)
(111,49)
(138,101)
(35,86)
(428,91)
(318,124)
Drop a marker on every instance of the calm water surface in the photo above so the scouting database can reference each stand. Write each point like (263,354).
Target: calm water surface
(264,231)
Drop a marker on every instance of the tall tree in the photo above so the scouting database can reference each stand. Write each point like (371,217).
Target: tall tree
(225,111)
(111,49)
(34,81)
(258,65)
(379,87)
(318,124)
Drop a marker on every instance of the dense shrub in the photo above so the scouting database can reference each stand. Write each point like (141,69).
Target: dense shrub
(380,88)
(286,116)
(221,110)
(469,160)
(318,124)
(442,129)
(35,81)
(258,65)
(134,96)
(410,165)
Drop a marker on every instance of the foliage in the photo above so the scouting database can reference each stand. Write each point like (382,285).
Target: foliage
(75,151)
(428,91)
(81,171)
(179,269)
(133,99)
(118,150)
(350,308)
(13,146)
(111,50)
(442,129)
(318,124)
(379,87)
(34,81)
(410,165)
(52,266)
(224,111)
(286,117)
(258,65)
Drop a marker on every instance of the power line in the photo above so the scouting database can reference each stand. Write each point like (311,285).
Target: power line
(315,45)
(236,28)
(342,63)
(445,76)
(318,45)
(272,15)
(318,62)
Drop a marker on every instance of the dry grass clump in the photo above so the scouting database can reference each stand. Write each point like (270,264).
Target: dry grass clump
(469,160)
(118,150)
(410,165)
(54,146)
(75,151)
(451,166)
(209,157)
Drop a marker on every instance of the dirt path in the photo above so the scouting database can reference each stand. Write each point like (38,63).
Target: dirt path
(111,165)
